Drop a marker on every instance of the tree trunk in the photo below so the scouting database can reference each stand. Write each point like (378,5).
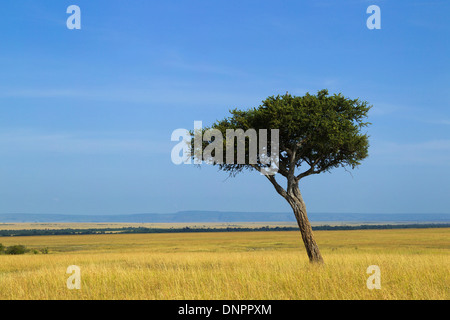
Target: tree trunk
(295,199)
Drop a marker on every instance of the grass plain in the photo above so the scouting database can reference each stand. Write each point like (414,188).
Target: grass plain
(414,264)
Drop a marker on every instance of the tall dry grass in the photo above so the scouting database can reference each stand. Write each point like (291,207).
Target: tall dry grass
(255,265)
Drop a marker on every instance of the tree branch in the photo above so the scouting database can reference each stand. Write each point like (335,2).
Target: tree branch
(310,171)
(274,182)
(279,188)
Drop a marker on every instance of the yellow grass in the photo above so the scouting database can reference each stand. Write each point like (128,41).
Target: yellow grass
(414,264)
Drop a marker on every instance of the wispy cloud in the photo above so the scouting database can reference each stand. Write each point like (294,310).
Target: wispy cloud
(381,109)
(441,121)
(39,93)
(202,67)
(409,112)
(173,59)
(433,152)
(28,141)
(181,92)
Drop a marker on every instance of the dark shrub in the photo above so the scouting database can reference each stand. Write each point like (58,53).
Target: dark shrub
(17,249)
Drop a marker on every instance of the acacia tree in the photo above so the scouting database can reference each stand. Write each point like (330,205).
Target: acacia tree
(316,134)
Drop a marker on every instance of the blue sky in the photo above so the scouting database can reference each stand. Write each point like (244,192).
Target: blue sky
(86,115)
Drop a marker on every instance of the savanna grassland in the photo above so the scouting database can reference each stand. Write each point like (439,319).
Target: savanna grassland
(414,264)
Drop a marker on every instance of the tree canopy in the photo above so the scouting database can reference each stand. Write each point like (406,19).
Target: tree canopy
(320,132)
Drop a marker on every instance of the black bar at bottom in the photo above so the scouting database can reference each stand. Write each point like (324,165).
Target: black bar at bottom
(225,309)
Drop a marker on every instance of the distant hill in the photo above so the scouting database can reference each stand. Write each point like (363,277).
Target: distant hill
(218,216)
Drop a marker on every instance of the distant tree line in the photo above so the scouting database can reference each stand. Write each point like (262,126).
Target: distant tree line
(123,230)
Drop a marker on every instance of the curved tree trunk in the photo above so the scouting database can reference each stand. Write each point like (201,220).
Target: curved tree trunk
(295,199)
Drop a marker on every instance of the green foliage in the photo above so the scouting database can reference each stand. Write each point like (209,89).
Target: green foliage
(17,249)
(322,131)
(20,249)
